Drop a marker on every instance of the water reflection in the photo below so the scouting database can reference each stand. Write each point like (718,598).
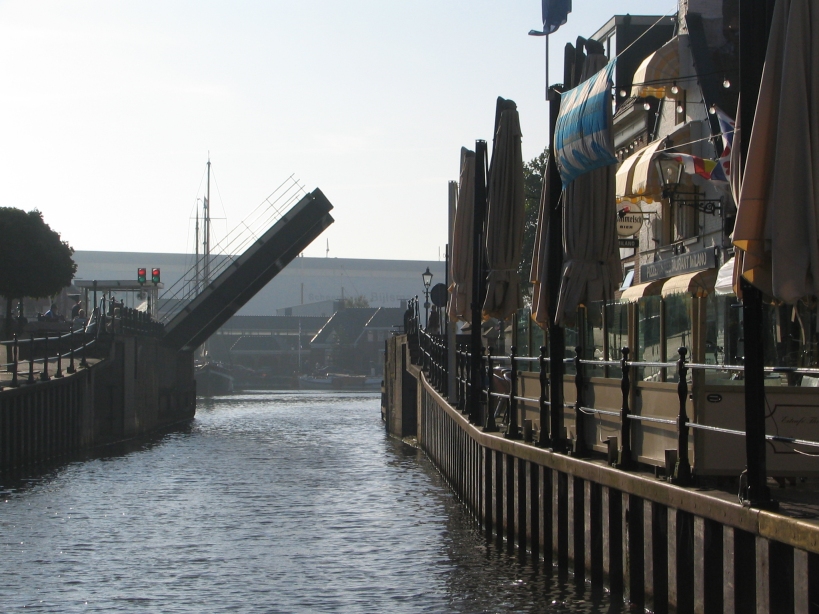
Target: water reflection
(280,502)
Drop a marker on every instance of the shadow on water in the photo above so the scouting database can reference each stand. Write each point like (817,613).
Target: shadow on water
(492,570)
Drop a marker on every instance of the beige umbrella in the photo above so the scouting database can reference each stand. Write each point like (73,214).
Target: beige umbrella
(460,289)
(540,257)
(776,225)
(506,217)
(591,261)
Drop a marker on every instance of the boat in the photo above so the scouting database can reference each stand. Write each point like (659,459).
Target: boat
(339,381)
(213,379)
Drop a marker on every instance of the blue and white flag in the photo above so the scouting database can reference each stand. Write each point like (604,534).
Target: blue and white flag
(555,14)
(583,137)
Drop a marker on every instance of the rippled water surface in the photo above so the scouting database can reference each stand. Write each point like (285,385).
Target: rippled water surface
(273,502)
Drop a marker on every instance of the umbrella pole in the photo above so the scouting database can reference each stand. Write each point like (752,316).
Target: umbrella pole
(478,285)
(557,342)
(755,20)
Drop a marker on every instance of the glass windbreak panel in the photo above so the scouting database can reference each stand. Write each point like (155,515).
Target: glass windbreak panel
(790,341)
(538,340)
(648,337)
(723,338)
(617,327)
(678,329)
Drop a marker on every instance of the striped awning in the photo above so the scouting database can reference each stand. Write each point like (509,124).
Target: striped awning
(657,71)
(632,294)
(698,284)
(637,177)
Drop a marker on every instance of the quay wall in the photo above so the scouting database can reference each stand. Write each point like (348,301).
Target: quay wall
(662,547)
(137,387)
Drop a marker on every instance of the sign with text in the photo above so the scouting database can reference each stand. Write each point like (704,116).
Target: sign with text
(689,262)
(629,219)
(633,243)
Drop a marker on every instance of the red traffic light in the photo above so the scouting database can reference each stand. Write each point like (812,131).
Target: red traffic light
(141,275)
(155,276)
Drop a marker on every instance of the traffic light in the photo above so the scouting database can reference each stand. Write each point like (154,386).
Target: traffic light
(155,276)
(141,275)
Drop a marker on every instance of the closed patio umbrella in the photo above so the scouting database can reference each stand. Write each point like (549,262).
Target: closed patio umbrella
(460,289)
(506,216)
(776,224)
(540,257)
(591,269)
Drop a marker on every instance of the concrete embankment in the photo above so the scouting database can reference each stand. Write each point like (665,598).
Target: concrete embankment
(662,547)
(135,387)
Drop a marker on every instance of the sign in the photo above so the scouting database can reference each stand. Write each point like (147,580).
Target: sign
(629,219)
(438,294)
(633,243)
(689,262)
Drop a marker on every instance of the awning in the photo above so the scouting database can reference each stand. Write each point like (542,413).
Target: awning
(657,71)
(700,283)
(725,279)
(652,288)
(637,177)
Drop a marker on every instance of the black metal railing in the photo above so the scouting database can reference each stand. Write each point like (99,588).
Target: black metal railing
(499,397)
(30,359)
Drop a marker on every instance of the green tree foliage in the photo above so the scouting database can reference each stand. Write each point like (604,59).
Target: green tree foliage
(34,261)
(532,185)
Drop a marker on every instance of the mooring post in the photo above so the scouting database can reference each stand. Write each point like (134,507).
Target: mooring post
(625,461)
(513,430)
(44,375)
(682,469)
(489,425)
(15,351)
(580,448)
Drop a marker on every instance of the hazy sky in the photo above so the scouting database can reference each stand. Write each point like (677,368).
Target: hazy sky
(109,109)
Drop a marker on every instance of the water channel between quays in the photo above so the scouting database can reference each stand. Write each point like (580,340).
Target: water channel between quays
(266,502)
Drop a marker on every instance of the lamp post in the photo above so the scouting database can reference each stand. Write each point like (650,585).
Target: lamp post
(427,277)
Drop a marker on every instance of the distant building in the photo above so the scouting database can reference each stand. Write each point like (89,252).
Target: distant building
(304,282)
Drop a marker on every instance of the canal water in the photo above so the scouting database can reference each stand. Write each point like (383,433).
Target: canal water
(269,502)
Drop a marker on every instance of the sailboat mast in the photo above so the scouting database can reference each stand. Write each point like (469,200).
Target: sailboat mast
(207,230)
(196,244)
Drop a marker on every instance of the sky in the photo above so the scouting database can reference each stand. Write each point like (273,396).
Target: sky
(109,111)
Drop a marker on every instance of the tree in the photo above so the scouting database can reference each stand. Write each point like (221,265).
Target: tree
(532,186)
(34,261)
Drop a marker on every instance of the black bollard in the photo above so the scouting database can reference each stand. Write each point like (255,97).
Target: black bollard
(71,368)
(489,425)
(682,469)
(625,461)
(15,355)
(580,448)
(543,403)
(59,372)
(31,360)
(44,375)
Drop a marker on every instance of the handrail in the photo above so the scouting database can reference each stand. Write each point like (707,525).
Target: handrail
(432,358)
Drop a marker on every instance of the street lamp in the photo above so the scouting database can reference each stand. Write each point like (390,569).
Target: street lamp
(427,277)
(671,170)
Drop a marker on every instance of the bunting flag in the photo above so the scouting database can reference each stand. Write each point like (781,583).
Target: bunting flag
(727,127)
(583,139)
(555,14)
(694,165)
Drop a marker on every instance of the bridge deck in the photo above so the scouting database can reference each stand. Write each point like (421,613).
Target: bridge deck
(249,273)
